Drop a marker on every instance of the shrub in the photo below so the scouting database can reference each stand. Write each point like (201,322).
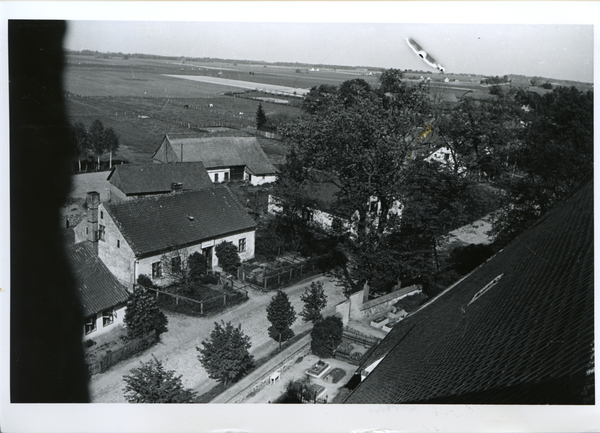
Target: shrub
(228,256)
(144,280)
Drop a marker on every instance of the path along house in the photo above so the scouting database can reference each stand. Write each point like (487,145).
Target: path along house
(147,235)
(225,158)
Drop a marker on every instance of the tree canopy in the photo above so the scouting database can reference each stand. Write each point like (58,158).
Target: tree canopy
(225,355)
(282,315)
(326,336)
(315,300)
(151,383)
(228,256)
(143,315)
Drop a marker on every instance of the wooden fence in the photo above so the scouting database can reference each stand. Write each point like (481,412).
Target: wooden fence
(359,337)
(185,305)
(127,351)
(271,279)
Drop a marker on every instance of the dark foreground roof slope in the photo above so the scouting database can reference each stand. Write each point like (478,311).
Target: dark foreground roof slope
(98,289)
(518,330)
(157,178)
(216,152)
(156,224)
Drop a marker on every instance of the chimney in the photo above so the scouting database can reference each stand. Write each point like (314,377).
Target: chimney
(93,201)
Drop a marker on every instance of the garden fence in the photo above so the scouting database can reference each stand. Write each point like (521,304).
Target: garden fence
(127,351)
(359,337)
(271,279)
(182,304)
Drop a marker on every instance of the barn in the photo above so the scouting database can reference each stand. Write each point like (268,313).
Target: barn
(225,158)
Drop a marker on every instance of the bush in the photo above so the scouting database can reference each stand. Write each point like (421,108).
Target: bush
(144,280)
(228,256)
(466,258)
(197,266)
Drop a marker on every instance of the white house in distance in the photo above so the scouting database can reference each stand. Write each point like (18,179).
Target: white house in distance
(225,158)
(129,182)
(140,236)
(102,297)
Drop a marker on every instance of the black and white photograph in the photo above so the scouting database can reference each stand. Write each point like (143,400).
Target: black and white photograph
(303,216)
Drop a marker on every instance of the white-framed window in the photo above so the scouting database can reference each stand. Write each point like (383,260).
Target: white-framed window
(226,176)
(108,317)
(242,245)
(156,270)
(216,177)
(90,324)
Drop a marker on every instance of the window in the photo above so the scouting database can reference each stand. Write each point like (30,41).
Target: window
(242,245)
(101,232)
(101,215)
(90,325)
(373,206)
(216,177)
(108,317)
(226,176)
(176,264)
(156,270)
(118,243)
(87,230)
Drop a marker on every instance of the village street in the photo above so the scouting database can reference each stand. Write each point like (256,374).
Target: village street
(177,347)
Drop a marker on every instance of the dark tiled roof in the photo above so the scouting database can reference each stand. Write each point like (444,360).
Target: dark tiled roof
(527,340)
(218,152)
(157,178)
(97,287)
(155,224)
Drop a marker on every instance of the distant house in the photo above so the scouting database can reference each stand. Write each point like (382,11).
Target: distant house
(518,330)
(103,298)
(135,181)
(225,158)
(325,207)
(145,236)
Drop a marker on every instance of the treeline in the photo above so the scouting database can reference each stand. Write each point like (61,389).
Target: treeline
(93,141)
(519,154)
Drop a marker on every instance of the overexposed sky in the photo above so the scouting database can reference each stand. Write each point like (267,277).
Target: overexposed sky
(557,51)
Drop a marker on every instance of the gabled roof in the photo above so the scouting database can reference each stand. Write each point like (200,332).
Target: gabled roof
(157,224)
(157,178)
(517,330)
(216,152)
(98,289)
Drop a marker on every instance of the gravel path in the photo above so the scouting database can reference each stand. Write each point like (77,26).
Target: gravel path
(177,347)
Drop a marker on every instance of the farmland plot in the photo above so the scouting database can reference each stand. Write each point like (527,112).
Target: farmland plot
(244,84)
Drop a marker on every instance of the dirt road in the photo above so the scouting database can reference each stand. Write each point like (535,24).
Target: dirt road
(177,347)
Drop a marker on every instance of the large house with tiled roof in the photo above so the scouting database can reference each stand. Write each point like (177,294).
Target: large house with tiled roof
(135,181)
(518,330)
(143,236)
(102,297)
(225,158)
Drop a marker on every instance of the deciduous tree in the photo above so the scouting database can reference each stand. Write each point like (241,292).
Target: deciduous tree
(79,135)
(225,355)
(282,315)
(151,383)
(326,336)
(314,300)
(143,315)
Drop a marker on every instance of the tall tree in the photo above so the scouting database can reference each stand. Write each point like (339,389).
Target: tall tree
(326,336)
(282,315)
(261,118)
(555,158)
(79,135)
(314,300)
(97,139)
(111,142)
(225,355)
(151,383)
(143,315)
